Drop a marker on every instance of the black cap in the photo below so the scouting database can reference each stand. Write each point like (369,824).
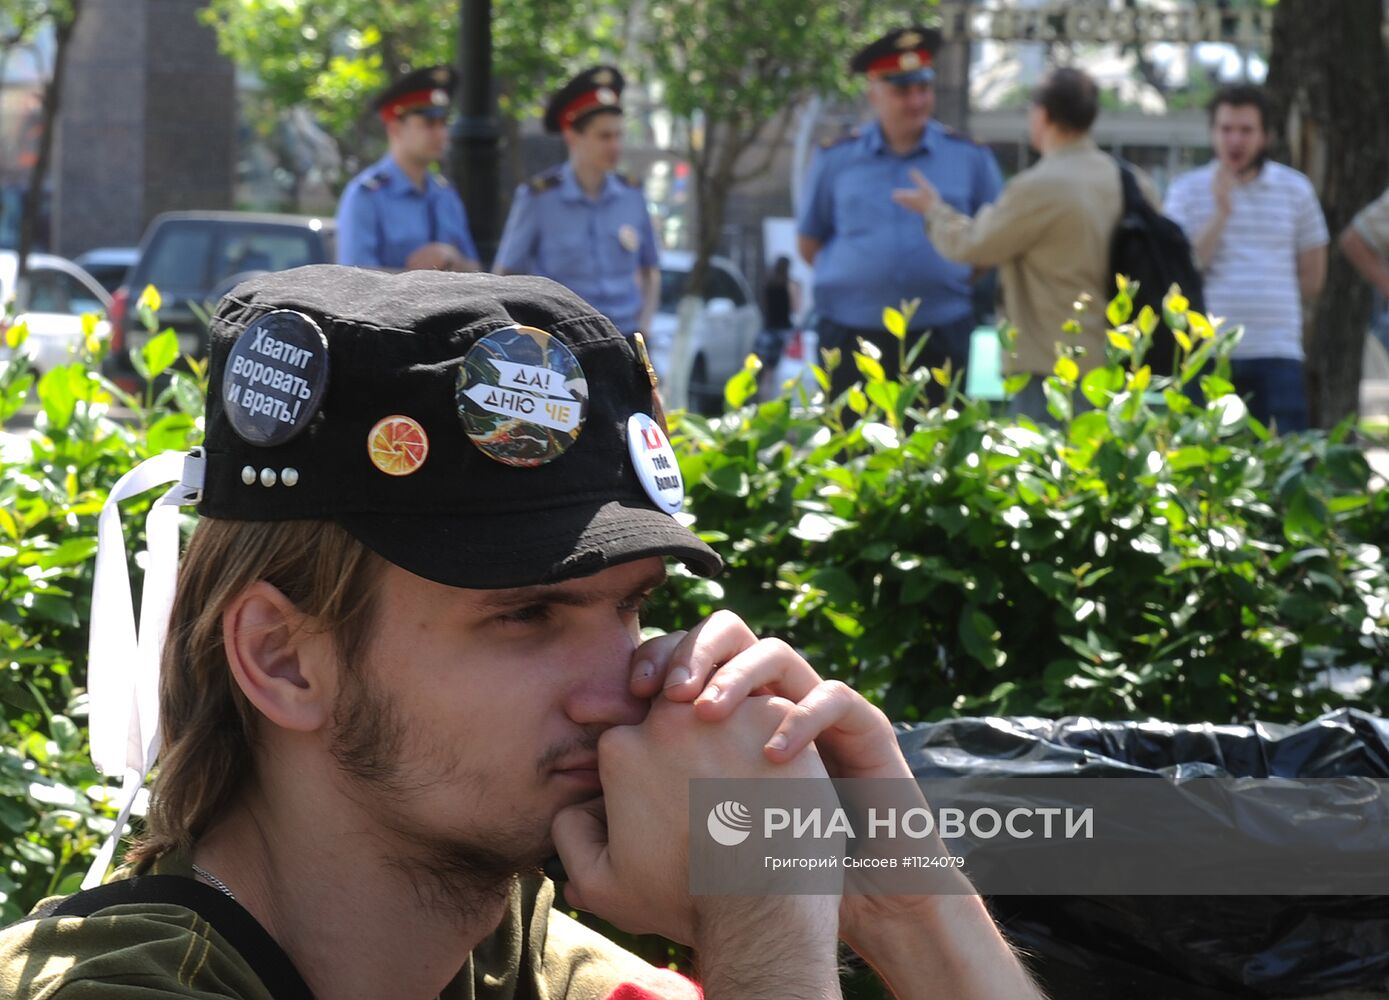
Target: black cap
(427,92)
(902,56)
(476,430)
(592,92)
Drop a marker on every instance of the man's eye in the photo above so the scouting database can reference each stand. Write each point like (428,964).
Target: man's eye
(531,614)
(635,604)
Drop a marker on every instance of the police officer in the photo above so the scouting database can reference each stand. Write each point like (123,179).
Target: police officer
(867,251)
(582,223)
(398,214)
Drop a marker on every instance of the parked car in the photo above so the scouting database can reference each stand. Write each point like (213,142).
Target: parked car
(193,259)
(108,265)
(59,293)
(725,327)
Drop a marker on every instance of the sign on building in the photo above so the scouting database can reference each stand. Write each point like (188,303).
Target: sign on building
(1063,22)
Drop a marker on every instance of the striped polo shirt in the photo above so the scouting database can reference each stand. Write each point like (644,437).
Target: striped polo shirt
(1252,280)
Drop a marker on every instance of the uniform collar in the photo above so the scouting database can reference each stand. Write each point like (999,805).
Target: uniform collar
(571,190)
(874,141)
(394,178)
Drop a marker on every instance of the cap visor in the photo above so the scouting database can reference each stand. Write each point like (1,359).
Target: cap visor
(526,548)
(923,75)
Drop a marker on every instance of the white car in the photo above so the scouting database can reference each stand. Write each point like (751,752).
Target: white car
(726,322)
(59,293)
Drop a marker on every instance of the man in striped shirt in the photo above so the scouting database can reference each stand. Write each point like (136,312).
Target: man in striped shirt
(1260,240)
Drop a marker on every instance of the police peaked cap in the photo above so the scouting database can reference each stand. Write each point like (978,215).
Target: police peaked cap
(902,56)
(426,91)
(595,90)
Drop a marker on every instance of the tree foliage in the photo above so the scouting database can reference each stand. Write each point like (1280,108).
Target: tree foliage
(332,56)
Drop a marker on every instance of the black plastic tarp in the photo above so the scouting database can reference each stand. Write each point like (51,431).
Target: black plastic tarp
(1188,947)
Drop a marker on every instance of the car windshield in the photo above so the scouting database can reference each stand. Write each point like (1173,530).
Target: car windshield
(189,260)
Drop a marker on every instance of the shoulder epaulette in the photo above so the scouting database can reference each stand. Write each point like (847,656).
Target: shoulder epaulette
(372,181)
(838,140)
(628,179)
(545,181)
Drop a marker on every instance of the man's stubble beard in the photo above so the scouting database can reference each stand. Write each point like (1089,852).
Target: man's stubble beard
(385,767)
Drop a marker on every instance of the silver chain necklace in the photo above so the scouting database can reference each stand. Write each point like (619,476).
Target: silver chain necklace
(215,882)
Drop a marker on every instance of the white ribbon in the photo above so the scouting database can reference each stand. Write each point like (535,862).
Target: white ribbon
(123,662)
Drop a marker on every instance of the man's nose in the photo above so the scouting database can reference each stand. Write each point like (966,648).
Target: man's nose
(601,691)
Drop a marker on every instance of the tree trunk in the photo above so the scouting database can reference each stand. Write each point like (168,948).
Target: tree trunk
(52,101)
(1329,84)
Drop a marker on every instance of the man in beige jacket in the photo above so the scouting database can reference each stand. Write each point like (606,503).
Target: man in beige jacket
(1049,233)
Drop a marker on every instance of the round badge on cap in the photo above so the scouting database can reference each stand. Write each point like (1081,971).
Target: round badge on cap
(397,445)
(522,396)
(654,460)
(275,378)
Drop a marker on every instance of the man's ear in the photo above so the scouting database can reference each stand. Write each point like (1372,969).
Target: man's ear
(284,665)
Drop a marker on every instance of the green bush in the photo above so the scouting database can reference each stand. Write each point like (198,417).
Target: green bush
(53,812)
(1148,557)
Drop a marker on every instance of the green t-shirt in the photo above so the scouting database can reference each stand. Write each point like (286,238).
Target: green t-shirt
(148,951)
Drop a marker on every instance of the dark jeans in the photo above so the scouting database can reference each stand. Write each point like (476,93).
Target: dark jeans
(950,341)
(1274,389)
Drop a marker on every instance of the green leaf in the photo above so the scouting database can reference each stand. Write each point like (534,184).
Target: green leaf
(57,396)
(159,352)
(895,322)
(740,388)
(1119,310)
(1100,385)
(1014,384)
(818,527)
(187,395)
(1348,467)
(869,368)
(846,624)
(1058,400)
(729,480)
(1066,369)
(979,636)
(1305,520)
(1147,321)
(1120,340)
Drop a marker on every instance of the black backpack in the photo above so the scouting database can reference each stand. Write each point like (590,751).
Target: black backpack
(1151,249)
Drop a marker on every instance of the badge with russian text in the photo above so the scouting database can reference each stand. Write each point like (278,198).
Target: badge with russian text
(522,396)
(275,378)
(655,463)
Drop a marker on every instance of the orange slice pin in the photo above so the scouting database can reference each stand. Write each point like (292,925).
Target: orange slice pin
(398,445)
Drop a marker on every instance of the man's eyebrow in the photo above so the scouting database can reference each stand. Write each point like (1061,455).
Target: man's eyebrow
(555,593)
